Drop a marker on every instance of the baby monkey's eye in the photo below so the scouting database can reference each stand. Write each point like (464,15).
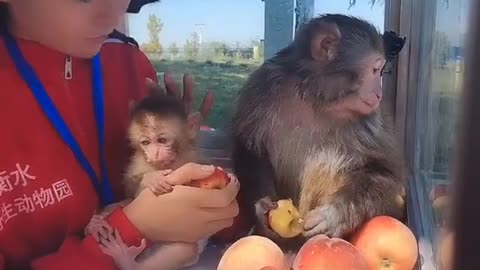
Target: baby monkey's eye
(145,142)
(162,140)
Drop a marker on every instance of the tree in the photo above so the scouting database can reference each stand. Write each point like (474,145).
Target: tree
(220,48)
(154,27)
(173,49)
(372,2)
(192,47)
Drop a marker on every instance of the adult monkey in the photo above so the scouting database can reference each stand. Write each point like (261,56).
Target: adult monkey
(308,127)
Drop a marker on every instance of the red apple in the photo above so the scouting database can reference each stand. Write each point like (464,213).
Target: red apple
(218,180)
(386,243)
(322,252)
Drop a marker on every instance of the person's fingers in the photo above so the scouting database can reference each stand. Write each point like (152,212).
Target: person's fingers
(207,104)
(218,225)
(222,213)
(170,84)
(232,177)
(118,238)
(167,172)
(188,172)
(106,250)
(140,248)
(188,92)
(153,88)
(214,198)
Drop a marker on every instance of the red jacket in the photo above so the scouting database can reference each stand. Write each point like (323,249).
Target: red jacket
(46,198)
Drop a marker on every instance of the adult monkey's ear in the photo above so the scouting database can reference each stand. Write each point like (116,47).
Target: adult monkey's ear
(324,41)
(393,44)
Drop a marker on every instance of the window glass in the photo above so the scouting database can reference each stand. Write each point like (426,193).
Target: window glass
(218,42)
(374,13)
(439,85)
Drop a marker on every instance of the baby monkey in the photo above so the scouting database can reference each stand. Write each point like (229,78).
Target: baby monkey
(163,138)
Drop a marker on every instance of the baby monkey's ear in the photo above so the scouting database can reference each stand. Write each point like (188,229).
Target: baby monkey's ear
(194,121)
(131,106)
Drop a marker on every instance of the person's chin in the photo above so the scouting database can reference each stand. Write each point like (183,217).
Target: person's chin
(88,51)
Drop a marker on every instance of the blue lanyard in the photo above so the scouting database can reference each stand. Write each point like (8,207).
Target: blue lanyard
(103,187)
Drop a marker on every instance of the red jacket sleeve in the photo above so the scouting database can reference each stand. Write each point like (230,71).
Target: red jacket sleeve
(76,253)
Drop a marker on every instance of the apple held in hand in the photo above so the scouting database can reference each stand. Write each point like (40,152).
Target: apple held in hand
(387,244)
(285,219)
(321,252)
(218,180)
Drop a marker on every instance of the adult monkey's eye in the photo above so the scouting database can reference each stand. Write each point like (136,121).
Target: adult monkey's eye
(162,140)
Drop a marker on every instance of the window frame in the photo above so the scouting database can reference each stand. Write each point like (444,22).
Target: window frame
(466,218)
(403,17)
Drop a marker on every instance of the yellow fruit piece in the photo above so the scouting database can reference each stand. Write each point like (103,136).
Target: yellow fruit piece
(285,219)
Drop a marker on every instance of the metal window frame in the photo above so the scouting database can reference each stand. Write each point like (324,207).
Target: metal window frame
(466,218)
(404,17)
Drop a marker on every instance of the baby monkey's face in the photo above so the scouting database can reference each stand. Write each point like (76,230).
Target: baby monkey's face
(158,148)
(158,138)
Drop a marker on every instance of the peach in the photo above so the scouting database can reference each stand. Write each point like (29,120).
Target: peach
(252,252)
(445,251)
(386,243)
(322,252)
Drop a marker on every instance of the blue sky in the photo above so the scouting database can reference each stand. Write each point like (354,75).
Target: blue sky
(228,20)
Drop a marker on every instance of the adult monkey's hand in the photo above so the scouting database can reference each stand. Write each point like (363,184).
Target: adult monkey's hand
(186,96)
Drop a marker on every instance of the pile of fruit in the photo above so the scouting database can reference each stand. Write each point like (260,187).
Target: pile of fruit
(382,243)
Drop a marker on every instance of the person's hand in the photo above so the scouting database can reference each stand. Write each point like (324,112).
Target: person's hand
(186,96)
(186,214)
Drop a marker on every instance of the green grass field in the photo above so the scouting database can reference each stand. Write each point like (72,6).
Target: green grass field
(225,79)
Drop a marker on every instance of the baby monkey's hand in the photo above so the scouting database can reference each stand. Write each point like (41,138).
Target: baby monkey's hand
(157,182)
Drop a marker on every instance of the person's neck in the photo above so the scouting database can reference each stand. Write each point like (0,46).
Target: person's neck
(18,32)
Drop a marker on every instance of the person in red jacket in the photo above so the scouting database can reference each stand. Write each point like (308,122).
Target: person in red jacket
(64,110)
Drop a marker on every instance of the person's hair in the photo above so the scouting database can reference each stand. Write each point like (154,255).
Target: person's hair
(3,16)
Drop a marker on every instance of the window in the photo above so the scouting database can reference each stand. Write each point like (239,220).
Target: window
(374,13)
(218,42)
(440,73)
(221,42)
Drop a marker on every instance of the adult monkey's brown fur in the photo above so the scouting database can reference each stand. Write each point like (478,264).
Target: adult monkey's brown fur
(308,127)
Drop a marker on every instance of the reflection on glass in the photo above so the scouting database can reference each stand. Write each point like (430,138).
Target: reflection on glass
(440,82)
(363,9)
(218,42)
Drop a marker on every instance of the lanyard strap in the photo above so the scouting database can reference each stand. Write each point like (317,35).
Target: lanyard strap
(103,187)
